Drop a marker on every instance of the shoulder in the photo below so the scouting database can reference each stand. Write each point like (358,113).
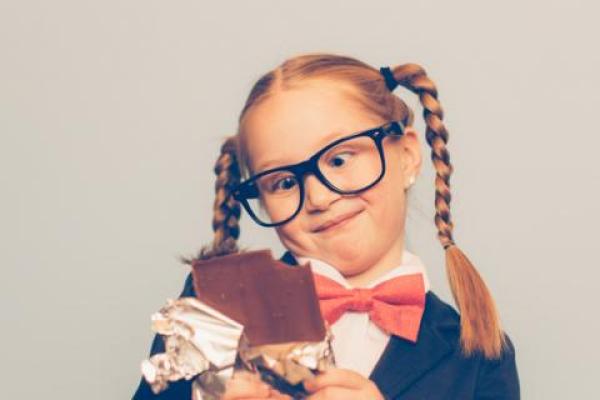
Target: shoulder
(496,378)
(444,317)
(188,287)
(499,378)
(440,315)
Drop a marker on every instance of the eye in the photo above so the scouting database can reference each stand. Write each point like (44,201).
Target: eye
(340,159)
(283,184)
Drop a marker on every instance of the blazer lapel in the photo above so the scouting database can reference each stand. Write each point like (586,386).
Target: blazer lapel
(288,258)
(402,361)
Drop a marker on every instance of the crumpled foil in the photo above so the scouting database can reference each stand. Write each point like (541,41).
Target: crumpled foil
(198,339)
(204,345)
(285,365)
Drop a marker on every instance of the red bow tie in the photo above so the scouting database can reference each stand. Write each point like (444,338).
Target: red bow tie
(396,305)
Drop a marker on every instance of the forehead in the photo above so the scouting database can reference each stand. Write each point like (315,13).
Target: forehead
(291,125)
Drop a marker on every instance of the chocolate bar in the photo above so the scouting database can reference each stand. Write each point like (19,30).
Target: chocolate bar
(276,302)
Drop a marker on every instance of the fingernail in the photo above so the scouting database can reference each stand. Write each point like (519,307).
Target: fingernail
(308,384)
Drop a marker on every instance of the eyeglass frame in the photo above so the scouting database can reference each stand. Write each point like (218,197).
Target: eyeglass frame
(246,190)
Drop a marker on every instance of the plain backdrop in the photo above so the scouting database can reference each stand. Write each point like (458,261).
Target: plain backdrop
(112,113)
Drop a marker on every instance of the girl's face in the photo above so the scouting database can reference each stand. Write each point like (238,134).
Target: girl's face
(290,126)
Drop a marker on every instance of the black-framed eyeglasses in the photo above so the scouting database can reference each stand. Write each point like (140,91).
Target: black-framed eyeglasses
(348,165)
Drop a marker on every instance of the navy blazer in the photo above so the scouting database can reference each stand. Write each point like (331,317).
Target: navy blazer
(433,368)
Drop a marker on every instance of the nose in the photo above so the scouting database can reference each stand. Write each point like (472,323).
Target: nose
(318,196)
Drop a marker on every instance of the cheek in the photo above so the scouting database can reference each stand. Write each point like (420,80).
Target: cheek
(292,234)
(386,203)
(289,230)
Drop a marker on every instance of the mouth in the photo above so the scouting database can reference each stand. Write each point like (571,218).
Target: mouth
(337,221)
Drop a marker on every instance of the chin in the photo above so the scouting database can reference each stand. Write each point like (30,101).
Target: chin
(350,254)
(351,270)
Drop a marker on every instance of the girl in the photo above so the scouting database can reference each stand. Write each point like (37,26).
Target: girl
(325,153)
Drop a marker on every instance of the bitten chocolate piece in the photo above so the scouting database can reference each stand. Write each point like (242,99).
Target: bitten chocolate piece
(275,302)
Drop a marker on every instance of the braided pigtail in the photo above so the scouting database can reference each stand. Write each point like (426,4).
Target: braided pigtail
(480,324)
(227,210)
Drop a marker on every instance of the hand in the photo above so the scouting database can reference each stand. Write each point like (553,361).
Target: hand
(341,384)
(248,386)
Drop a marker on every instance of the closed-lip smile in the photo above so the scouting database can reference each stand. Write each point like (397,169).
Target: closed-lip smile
(335,221)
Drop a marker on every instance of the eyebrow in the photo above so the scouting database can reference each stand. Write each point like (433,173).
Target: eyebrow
(331,137)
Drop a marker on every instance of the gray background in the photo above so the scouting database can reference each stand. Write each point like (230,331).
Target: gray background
(112,112)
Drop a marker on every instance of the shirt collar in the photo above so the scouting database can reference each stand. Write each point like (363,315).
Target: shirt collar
(411,264)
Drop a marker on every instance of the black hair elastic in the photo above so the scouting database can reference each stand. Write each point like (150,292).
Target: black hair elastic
(388,75)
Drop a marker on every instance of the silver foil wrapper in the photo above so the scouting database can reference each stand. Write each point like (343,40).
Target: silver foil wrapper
(206,346)
(198,340)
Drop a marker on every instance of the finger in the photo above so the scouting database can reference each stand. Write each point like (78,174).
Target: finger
(246,375)
(333,393)
(335,377)
(242,387)
(277,395)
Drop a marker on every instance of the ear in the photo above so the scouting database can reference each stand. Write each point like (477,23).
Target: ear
(411,153)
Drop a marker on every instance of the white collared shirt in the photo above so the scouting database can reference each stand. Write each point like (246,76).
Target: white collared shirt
(357,342)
